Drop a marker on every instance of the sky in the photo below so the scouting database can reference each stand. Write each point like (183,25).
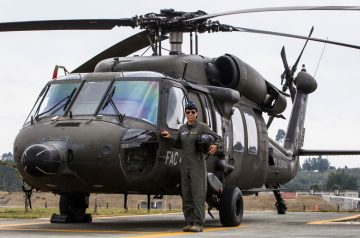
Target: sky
(27,59)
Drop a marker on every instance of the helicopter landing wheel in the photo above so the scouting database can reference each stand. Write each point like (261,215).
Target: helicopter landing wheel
(281,207)
(231,207)
(74,207)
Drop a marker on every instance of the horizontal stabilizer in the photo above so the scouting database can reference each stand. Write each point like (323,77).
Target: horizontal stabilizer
(328,152)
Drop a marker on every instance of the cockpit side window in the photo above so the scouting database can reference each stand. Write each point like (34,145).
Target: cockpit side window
(195,98)
(175,109)
(206,109)
(204,113)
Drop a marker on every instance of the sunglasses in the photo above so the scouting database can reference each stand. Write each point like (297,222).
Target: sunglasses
(192,112)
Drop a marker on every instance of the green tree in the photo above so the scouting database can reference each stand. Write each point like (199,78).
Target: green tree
(315,187)
(7,159)
(341,180)
(316,163)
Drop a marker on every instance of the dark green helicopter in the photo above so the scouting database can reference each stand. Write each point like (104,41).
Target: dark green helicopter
(96,130)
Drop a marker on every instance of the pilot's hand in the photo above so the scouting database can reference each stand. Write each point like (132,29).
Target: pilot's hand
(212,149)
(164,133)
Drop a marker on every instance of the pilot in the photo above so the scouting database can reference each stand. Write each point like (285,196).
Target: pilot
(193,167)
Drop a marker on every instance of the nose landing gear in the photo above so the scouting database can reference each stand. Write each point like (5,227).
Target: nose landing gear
(72,209)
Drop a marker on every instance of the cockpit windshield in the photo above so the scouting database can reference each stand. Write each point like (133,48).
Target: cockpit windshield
(137,99)
(89,97)
(56,99)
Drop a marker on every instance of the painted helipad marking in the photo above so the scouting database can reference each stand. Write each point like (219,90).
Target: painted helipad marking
(342,219)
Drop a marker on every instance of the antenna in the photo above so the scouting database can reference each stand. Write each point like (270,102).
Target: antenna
(320,58)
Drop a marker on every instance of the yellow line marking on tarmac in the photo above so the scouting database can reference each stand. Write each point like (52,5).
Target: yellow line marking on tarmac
(138,234)
(176,233)
(23,224)
(72,231)
(334,220)
(125,216)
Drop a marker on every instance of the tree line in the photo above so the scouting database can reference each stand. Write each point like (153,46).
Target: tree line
(317,174)
(10,179)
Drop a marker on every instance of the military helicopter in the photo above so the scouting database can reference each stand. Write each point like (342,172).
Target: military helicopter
(104,117)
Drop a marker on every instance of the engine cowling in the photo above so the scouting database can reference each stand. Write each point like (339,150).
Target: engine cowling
(231,72)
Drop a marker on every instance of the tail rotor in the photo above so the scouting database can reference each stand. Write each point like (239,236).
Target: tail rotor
(287,77)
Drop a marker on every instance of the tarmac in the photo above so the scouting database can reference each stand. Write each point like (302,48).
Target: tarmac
(255,224)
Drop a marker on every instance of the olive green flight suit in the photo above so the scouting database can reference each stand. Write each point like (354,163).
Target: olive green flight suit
(193,171)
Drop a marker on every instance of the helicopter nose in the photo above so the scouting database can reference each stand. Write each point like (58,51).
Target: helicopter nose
(41,160)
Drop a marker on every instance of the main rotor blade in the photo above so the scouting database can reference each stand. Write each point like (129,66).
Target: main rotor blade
(242,29)
(123,48)
(278,9)
(303,152)
(80,24)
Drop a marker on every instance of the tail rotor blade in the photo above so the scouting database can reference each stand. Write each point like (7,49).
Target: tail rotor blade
(286,65)
(284,60)
(294,67)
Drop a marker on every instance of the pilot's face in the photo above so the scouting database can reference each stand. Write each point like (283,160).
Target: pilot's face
(191,116)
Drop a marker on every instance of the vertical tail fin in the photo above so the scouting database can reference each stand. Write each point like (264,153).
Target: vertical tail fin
(305,84)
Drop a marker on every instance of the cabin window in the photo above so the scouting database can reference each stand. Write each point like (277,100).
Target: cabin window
(238,131)
(138,99)
(252,133)
(56,99)
(218,122)
(175,116)
(89,97)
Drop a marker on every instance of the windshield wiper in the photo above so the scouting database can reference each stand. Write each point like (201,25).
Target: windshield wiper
(58,105)
(69,99)
(113,105)
(109,98)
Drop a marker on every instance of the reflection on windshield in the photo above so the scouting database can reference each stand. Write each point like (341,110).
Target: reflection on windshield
(56,99)
(137,99)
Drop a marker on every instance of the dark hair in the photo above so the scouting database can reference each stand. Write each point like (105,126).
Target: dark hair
(191,106)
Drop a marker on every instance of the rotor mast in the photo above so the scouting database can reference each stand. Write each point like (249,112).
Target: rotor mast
(176,40)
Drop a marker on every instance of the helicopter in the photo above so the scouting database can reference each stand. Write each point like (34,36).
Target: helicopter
(103,118)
